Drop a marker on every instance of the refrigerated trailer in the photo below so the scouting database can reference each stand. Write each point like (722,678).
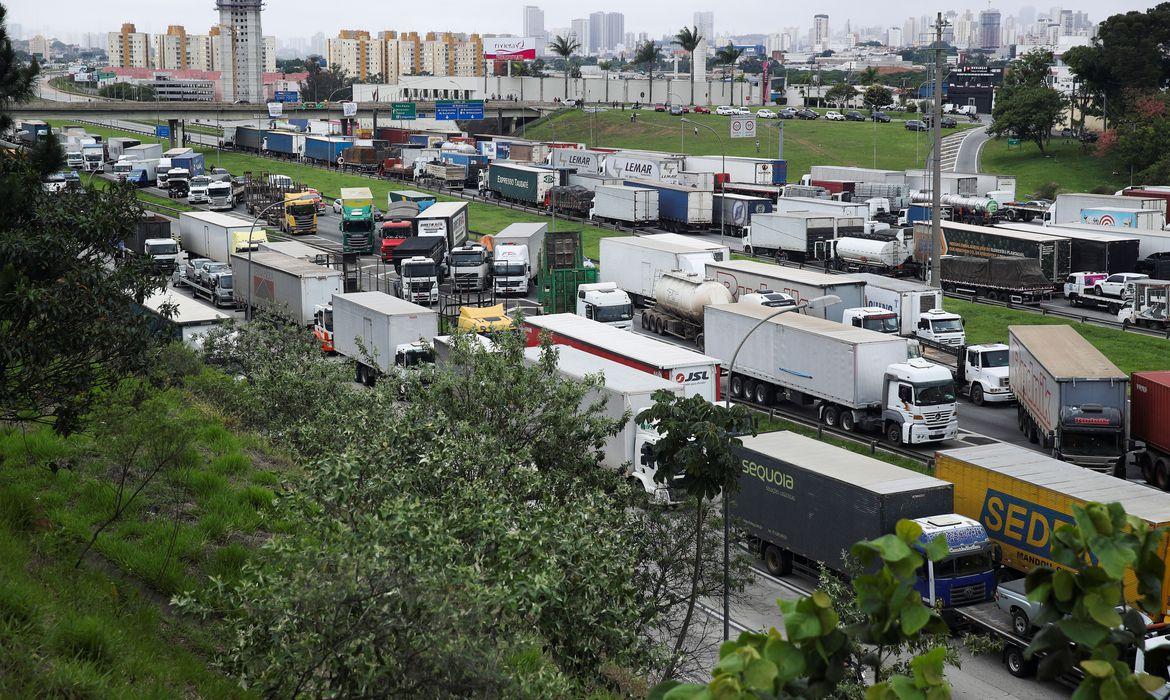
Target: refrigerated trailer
(912,302)
(757,171)
(635,263)
(1072,399)
(378,331)
(624,204)
(680,208)
(747,276)
(284,284)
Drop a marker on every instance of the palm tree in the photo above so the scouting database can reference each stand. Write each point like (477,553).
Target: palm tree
(649,54)
(729,56)
(868,76)
(688,38)
(565,47)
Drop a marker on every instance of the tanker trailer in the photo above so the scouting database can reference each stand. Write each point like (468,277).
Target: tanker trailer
(883,254)
(679,298)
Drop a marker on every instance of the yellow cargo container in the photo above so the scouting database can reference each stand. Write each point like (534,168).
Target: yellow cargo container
(1021,496)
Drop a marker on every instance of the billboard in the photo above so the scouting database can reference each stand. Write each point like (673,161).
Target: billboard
(510,48)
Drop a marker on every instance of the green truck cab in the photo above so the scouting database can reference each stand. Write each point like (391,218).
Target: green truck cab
(357,220)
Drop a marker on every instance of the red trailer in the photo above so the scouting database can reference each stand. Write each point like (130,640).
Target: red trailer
(393,134)
(835,186)
(1149,426)
(1155,193)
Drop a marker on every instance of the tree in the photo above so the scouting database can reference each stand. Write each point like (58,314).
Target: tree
(877,96)
(840,94)
(688,38)
(1027,107)
(1139,140)
(17,81)
(729,56)
(322,83)
(565,47)
(867,76)
(649,54)
(696,447)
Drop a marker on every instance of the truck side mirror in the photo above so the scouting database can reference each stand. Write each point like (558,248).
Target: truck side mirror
(589,311)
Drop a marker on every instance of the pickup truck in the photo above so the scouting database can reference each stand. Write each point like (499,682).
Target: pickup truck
(1011,598)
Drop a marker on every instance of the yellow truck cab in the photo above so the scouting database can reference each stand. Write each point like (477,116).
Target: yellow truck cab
(300,213)
(485,320)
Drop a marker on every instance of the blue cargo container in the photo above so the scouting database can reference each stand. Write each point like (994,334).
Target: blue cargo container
(300,123)
(326,149)
(283,143)
(680,208)
(192,162)
(917,212)
(465,159)
(417,140)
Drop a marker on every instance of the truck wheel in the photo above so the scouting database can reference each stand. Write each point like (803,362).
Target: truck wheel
(1147,466)
(736,383)
(645,323)
(1021,625)
(894,434)
(777,561)
(848,423)
(749,390)
(1017,665)
(977,394)
(1032,432)
(699,340)
(1162,475)
(763,394)
(830,416)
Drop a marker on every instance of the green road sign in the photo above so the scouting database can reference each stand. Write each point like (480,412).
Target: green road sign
(403,110)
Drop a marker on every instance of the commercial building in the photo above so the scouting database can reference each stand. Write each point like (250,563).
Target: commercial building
(705,22)
(820,32)
(989,36)
(579,28)
(615,30)
(242,50)
(185,90)
(128,47)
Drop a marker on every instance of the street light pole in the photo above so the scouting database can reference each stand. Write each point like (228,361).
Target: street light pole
(723,158)
(262,212)
(936,199)
(814,303)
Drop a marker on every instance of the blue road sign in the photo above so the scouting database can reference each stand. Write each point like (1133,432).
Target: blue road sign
(162,131)
(446,110)
(286,96)
(470,109)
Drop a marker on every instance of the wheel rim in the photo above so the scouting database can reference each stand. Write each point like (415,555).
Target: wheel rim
(831,417)
(977,395)
(761,394)
(1020,624)
(894,434)
(847,421)
(736,387)
(1014,661)
(772,560)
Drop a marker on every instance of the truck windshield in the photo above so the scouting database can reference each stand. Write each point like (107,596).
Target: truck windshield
(225,281)
(415,357)
(301,209)
(965,565)
(162,249)
(950,325)
(357,225)
(122,167)
(995,358)
(200,181)
(617,312)
(466,258)
(884,324)
(419,270)
(934,394)
(510,269)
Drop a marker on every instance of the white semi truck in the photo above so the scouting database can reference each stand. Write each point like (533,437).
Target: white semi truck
(919,308)
(216,236)
(517,254)
(605,303)
(856,379)
(378,332)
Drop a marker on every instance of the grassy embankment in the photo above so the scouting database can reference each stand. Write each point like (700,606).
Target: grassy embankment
(806,143)
(1073,167)
(104,628)
(485,218)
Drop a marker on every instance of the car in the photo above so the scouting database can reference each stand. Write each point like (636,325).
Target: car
(916,125)
(1012,598)
(807,113)
(880,117)
(660,108)
(854,116)
(208,272)
(726,111)
(1149,264)
(701,110)
(1077,282)
(337,206)
(788,113)
(193,266)
(834,116)
(678,110)
(766,114)
(1119,285)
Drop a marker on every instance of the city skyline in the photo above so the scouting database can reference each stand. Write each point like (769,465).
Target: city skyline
(744,18)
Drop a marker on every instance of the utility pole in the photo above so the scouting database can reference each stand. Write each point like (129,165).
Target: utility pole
(936,128)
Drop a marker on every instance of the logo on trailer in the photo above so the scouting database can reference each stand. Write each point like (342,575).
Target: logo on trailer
(1021,524)
(689,377)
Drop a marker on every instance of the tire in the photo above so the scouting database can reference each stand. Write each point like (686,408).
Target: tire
(992,296)
(777,561)
(1017,665)
(894,434)
(1021,625)
(645,323)
(848,423)
(763,394)
(1147,466)
(977,394)
(735,386)
(831,417)
(747,250)
(1162,475)
(1030,431)
(1097,290)
(749,390)
(1121,467)
(699,340)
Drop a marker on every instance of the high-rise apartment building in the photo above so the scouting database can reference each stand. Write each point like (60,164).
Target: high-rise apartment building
(894,37)
(615,29)
(241,50)
(356,53)
(170,50)
(705,22)
(579,28)
(989,34)
(128,47)
(533,21)
(597,32)
(39,46)
(820,32)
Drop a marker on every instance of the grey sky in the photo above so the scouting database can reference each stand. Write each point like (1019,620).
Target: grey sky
(287,18)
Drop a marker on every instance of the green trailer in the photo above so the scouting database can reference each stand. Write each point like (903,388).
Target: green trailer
(521,183)
(563,270)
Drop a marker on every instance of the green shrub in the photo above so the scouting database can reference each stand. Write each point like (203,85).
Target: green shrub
(1047,191)
(84,638)
(173,363)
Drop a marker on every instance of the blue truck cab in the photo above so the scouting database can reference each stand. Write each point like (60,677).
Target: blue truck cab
(967,575)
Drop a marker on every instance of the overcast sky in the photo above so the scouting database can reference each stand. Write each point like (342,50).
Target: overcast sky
(286,18)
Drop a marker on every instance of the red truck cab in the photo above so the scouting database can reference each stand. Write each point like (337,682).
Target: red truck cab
(393,234)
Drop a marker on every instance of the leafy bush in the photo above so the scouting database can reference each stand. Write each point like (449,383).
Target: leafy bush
(1047,191)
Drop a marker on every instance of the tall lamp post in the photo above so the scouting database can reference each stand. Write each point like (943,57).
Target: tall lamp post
(251,229)
(814,303)
(723,157)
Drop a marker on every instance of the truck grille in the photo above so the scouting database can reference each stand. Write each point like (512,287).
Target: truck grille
(417,287)
(967,595)
(1004,382)
(938,419)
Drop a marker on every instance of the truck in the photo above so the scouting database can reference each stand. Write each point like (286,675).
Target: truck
(834,172)
(167,161)
(634,263)
(980,371)
(679,298)
(1149,192)
(393,232)
(645,165)
(287,144)
(758,171)
(117,145)
(519,183)
(733,212)
(1149,219)
(447,219)
(853,378)
(142,151)
(299,215)
(1149,426)
(516,256)
(190,161)
(888,251)
(1022,496)
(698,374)
(1009,279)
(625,393)
(623,204)
(919,308)
(1147,305)
(422,199)
(680,208)
(1052,253)
(583,160)
(570,200)
(140,173)
(1071,398)
(443,174)
(190,319)
(326,149)
(470,267)
(803,502)
(1092,251)
(379,332)
(419,262)
(216,236)
(830,207)
(798,236)
(93,157)
(152,239)
(605,303)
(282,283)
(221,195)
(749,276)
(357,220)
(1069,206)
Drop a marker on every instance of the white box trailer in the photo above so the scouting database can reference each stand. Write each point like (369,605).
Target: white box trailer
(907,298)
(645,165)
(756,171)
(952,183)
(208,234)
(391,329)
(698,374)
(1067,207)
(592,182)
(627,391)
(831,207)
(747,276)
(625,204)
(796,235)
(634,263)
(285,284)
(850,174)
(585,161)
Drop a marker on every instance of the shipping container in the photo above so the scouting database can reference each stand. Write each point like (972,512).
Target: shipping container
(1091,251)
(520,183)
(698,374)
(680,208)
(798,236)
(1022,496)
(756,171)
(383,329)
(1052,253)
(1068,206)
(284,284)
(393,134)
(1072,399)
(627,205)
(1149,425)
(635,263)
(326,149)
(734,212)
(747,276)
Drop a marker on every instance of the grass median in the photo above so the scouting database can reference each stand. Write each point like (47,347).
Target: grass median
(1075,168)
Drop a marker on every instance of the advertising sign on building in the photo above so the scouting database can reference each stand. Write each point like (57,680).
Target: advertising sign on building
(509,48)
